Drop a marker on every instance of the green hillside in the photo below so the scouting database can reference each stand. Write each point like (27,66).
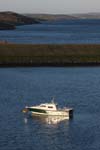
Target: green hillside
(49,55)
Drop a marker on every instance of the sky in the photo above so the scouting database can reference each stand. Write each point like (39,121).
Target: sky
(50,6)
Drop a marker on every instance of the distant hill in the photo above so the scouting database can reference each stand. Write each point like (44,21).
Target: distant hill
(51,16)
(11,19)
(88,15)
(65,16)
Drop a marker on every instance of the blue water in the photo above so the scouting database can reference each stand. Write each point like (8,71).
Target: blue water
(56,32)
(75,87)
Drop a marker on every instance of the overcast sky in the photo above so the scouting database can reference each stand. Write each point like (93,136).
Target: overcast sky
(50,6)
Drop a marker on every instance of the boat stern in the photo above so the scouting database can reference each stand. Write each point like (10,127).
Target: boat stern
(69,112)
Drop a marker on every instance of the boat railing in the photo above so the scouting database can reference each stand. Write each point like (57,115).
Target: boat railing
(65,109)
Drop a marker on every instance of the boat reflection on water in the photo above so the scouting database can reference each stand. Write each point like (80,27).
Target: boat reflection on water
(53,119)
(47,119)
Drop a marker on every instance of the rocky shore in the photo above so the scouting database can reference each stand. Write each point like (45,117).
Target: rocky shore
(7,26)
(9,20)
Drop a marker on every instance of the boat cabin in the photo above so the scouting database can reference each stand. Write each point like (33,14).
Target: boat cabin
(48,106)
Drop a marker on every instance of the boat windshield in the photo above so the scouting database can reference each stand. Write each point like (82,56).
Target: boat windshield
(42,105)
(50,106)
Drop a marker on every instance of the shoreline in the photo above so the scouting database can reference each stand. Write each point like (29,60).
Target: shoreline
(49,55)
(13,65)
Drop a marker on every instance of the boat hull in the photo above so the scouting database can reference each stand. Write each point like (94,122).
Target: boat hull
(68,114)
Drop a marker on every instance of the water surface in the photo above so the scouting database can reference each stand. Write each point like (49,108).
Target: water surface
(56,32)
(74,87)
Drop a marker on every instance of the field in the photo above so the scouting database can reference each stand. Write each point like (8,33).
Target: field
(49,55)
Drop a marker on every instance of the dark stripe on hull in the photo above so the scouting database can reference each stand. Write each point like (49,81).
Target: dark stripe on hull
(36,110)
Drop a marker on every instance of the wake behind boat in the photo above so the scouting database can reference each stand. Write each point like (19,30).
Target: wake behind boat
(49,109)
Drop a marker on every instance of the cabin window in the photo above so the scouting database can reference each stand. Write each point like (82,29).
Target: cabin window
(43,106)
(50,107)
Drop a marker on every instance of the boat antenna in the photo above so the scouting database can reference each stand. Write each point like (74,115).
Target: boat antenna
(53,99)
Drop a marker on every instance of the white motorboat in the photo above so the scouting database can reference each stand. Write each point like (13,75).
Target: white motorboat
(49,109)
